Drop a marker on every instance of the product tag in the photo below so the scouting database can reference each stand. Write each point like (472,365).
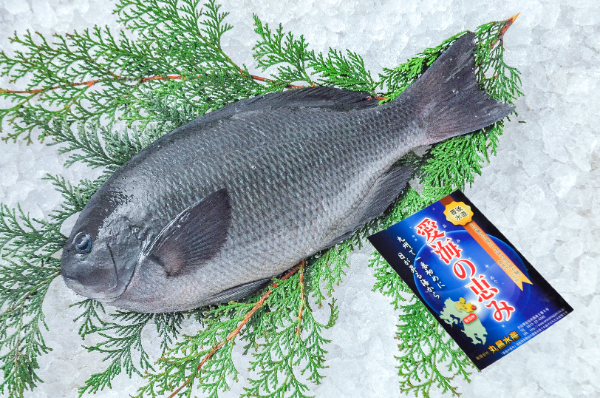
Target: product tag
(471,278)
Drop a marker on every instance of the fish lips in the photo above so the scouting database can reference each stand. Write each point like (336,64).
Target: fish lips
(94,279)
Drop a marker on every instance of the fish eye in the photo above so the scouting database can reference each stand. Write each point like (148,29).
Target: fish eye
(82,243)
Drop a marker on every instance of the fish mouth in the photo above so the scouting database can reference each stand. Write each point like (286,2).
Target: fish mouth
(84,290)
(102,284)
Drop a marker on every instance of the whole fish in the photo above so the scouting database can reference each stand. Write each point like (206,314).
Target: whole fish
(214,209)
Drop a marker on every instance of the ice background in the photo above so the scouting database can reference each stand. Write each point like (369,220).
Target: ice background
(542,190)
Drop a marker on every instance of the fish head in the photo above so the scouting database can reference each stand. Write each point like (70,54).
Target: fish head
(101,254)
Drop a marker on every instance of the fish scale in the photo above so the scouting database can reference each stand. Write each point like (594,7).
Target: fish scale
(244,193)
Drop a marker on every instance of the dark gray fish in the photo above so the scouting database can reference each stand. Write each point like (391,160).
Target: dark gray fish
(214,209)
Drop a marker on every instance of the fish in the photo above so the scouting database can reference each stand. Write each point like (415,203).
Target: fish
(213,210)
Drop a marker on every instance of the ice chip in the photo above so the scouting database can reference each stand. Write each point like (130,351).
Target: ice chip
(587,280)
(564,177)
(9,175)
(524,213)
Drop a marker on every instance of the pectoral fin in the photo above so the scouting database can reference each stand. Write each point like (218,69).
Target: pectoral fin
(194,236)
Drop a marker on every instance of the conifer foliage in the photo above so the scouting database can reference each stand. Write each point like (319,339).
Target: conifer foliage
(169,69)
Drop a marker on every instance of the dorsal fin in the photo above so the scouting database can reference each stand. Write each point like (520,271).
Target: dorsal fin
(315,97)
(312,97)
(194,236)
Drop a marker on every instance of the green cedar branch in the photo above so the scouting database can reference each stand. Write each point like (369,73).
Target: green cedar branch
(121,339)
(292,352)
(325,271)
(26,271)
(92,316)
(117,347)
(295,63)
(23,286)
(96,75)
(90,83)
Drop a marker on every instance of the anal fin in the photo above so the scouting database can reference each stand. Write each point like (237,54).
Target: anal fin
(238,292)
(380,197)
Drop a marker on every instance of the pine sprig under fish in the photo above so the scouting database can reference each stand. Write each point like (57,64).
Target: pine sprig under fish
(164,79)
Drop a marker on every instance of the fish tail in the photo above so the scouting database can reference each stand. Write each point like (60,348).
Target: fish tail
(447,98)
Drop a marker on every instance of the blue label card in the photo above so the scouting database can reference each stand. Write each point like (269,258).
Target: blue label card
(472,279)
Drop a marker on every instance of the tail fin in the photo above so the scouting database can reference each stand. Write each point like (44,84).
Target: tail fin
(447,98)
